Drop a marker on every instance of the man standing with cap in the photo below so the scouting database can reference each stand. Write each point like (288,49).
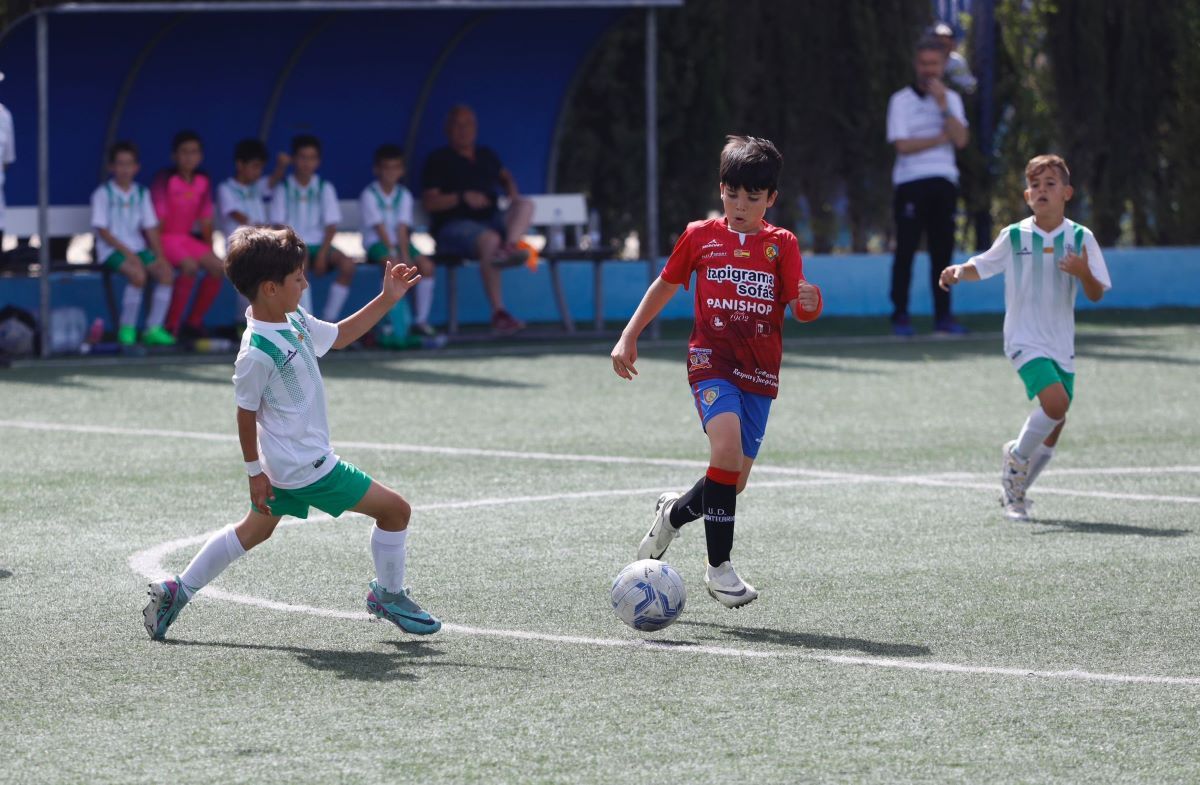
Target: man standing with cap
(8,153)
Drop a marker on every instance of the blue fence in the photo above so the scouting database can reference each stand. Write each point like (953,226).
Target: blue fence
(855,285)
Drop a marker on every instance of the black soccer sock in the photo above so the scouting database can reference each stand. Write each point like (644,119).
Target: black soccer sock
(720,501)
(689,506)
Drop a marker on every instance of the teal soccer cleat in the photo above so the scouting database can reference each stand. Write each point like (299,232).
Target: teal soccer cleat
(400,610)
(167,599)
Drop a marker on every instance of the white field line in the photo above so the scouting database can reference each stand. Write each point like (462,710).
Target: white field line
(935,480)
(148,564)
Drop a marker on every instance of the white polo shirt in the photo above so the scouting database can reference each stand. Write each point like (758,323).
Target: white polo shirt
(1039,298)
(391,210)
(276,376)
(912,116)
(247,199)
(308,209)
(127,214)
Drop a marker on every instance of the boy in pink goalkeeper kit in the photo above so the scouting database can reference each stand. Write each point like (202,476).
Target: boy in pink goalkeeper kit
(183,201)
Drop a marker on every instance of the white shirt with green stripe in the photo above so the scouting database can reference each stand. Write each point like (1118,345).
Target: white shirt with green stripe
(391,210)
(276,375)
(1039,298)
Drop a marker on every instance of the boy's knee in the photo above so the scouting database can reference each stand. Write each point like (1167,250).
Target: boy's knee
(397,516)
(164,275)
(136,277)
(488,243)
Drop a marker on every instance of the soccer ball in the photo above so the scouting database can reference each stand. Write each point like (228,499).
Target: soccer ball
(648,595)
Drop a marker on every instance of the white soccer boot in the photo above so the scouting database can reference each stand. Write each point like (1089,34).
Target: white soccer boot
(726,587)
(1014,475)
(661,533)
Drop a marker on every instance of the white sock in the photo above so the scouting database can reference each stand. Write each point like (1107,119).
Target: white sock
(338,293)
(423,300)
(221,550)
(1034,432)
(160,301)
(388,551)
(1041,457)
(306,300)
(131,304)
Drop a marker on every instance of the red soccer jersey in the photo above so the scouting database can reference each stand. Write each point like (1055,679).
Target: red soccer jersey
(743,285)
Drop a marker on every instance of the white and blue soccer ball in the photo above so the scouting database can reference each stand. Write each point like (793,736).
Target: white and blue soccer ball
(648,595)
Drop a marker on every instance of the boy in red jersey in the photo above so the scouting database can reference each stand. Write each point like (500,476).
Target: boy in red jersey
(747,272)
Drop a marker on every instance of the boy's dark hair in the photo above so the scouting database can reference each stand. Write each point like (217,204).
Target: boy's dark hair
(301,141)
(250,150)
(257,254)
(1040,163)
(751,162)
(929,44)
(122,146)
(183,137)
(388,152)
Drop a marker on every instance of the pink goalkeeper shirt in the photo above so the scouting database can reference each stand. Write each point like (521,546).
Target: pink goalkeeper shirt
(180,204)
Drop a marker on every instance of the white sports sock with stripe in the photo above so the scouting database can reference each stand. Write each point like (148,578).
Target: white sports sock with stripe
(338,293)
(131,304)
(1034,432)
(160,301)
(389,553)
(1041,457)
(221,550)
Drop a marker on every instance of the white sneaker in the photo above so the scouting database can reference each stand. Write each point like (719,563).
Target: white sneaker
(1014,473)
(661,533)
(1015,509)
(726,587)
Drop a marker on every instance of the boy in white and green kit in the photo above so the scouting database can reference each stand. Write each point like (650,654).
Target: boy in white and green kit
(284,431)
(1045,260)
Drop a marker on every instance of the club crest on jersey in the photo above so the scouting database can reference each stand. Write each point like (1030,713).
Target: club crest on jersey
(709,395)
(699,359)
(718,322)
(771,250)
(741,253)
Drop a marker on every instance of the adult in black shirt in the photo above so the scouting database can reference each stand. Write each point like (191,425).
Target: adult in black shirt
(462,183)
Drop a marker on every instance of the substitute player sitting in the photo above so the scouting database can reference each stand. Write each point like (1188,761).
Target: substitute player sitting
(1045,260)
(747,272)
(284,432)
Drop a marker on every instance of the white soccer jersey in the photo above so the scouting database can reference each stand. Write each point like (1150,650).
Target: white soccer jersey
(391,210)
(249,200)
(276,375)
(124,213)
(308,209)
(911,116)
(1039,298)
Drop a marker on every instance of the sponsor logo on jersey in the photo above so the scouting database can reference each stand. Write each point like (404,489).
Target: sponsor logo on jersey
(710,395)
(290,356)
(741,253)
(717,322)
(711,244)
(699,358)
(762,328)
(1024,252)
(771,250)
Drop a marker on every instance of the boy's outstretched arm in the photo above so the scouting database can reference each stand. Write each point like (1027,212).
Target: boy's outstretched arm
(957,273)
(397,279)
(624,354)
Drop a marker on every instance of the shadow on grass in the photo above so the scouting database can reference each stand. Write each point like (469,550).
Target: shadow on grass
(1062,526)
(370,666)
(5,574)
(815,641)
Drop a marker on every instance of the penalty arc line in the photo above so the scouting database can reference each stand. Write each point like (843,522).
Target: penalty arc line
(148,564)
(936,480)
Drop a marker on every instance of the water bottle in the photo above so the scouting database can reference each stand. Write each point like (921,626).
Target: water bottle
(213,345)
(594,238)
(558,236)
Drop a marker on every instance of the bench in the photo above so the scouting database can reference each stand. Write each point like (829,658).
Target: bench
(64,222)
(565,212)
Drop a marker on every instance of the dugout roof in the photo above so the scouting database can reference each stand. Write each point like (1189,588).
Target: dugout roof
(356,73)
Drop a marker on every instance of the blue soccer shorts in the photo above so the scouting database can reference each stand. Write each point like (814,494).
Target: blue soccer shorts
(715,396)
